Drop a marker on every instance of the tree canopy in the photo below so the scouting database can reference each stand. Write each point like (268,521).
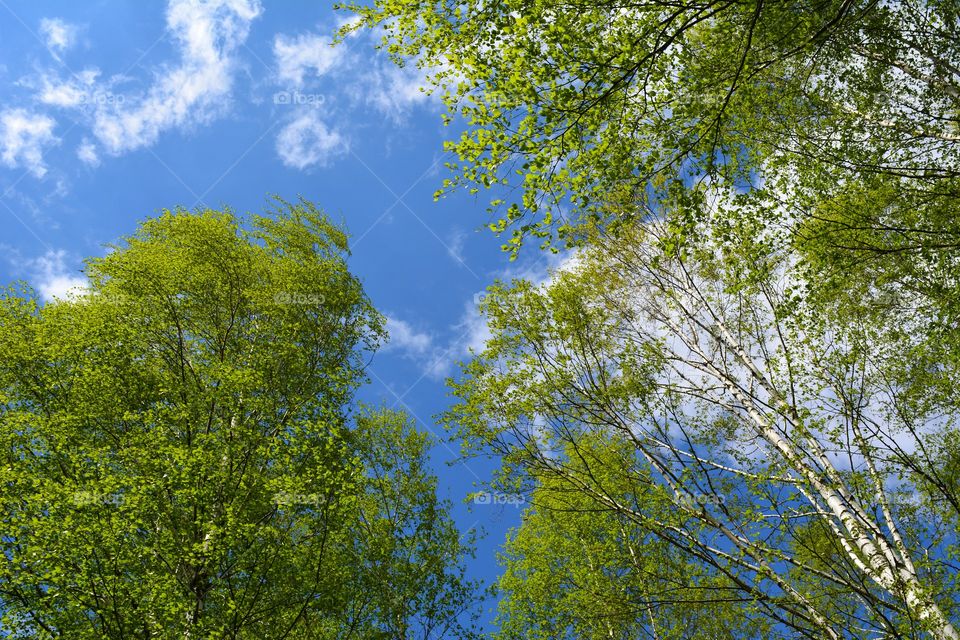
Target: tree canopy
(692,402)
(748,369)
(566,103)
(734,407)
(183,456)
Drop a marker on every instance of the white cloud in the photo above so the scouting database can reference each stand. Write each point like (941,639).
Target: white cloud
(394,90)
(455,244)
(352,22)
(365,79)
(404,337)
(87,152)
(437,358)
(72,93)
(305,53)
(62,95)
(420,347)
(306,141)
(192,92)
(23,136)
(52,279)
(57,34)
(378,82)
(475,331)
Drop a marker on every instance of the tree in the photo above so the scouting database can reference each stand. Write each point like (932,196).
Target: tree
(810,317)
(183,456)
(566,103)
(787,444)
(576,569)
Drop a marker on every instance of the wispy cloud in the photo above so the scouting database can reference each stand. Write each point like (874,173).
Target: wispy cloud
(306,141)
(305,53)
(52,278)
(73,92)
(192,92)
(435,358)
(420,347)
(455,246)
(23,137)
(87,153)
(58,35)
(436,353)
(404,338)
(365,79)
(392,90)
(474,329)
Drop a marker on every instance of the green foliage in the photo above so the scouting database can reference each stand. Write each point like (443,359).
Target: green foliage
(182,456)
(753,445)
(577,569)
(765,193)
(570,105)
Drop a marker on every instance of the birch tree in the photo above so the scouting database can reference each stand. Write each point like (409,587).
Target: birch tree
(576,569)
(778,439)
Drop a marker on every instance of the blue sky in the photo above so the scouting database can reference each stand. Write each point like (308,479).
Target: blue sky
(112,111)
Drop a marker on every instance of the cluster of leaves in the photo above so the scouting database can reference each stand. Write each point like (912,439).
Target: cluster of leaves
(568,103)
(578,570)
(182,456)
